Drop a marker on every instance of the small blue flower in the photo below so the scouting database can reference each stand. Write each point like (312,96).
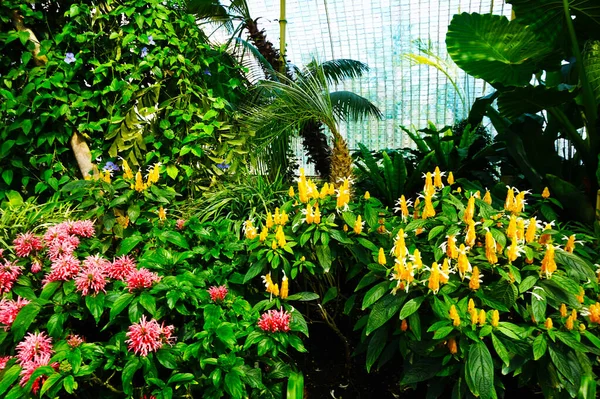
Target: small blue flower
(207,72)
(223,166)
(150,40)
(110,167)
(144,52)
(70,58)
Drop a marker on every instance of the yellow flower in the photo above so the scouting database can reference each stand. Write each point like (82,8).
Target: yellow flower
(495,318)
(343,194)
(428,184)
(470,211)
(451,250)
(474,315)
(313,191)
(474,282)
(574,314)
(153,174)
(595,313)
(570,245)
(367,195)
(459,190)
(276,218)
(404,325)
(324,191)
(284,287)
(546,193)
(127,173)
(302,187)
(471,305)
(105,176)
(274,244)
(139,182)
(548,263)
(482,317)
(548,323)
(317,214)
(283,217)
(123,221)
(545,238)
(263,234)
(162,214)
(345,228)
(403,207)
(569,323)
(581,295)
(437,178)
(358,225)
(399,248)
(513,250)
(269,286)
(454,316)
(248,227)
(531,230)
(310,216)
(417,259)
(434,278)
(280,236)
(381,257)
(520,229)
(450,179)
(512,227)
(428,211)
(452,346)
(487,198)
(470,236)
(464,266)
(445,272)
(269,222)
(510,199)
(490,248)
(519,204)
(582,327)
(291,192)
(563,310)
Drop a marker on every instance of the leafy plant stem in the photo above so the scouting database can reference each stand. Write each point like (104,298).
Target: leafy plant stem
(105,383)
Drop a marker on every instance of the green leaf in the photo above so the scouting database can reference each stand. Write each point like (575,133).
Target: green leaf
(95,304)
(298,323)
(295,386)
(505,293)
(527,283)
(442,332)
(329,295)
(24,319)
(167,358)
(495,49)
(133,212)
(591,62)
(148,302)
(375,293)
(225,334)
(481,370)
(176,238)
(180,377)
(530,100)
(574,265)
(376,346)
(120,304)
(8,377)
(128,244)
(501,350)
(562,364)
(324,256)
(383,310)
(539,346)
(423,369)
(411,307)
(538,306)
(233,385)
(50,382)
(303,296)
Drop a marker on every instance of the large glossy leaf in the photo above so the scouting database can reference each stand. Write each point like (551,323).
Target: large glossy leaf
(591,62)
(573,199)
(530,100)
(492,48)
(481,370)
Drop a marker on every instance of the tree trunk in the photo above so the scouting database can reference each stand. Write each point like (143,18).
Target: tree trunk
(17,20)
(83,156)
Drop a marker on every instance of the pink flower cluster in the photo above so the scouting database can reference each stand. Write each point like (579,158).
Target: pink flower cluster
(27,243)
(121,268)
(9,310)
(74,340)
(92,278)
(217,294)
(33,352)
(148,336)
(141,278)
(9,272)
(3,361)
(274,321)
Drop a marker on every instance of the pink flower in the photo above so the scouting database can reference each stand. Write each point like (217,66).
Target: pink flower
(3,361)
(27,243)
(57,232)
(91,278)
(74,340)
(65,245)
(217,294)
(1,253)
(274,321)
(141,278)
(83,228)
(34,348)
(121,267)
(63,268)
(9,310)
(36,266)
(9,272)
(148,336)
(98,262)
(180,224)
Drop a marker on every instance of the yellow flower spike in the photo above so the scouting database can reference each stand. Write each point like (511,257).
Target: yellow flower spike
(153,174)
(451,250)
(531,230)
(474,282)
(582,327)
(471,305)
(324,191)
(269,223)
(106,176)
(548,263)
(545,238)
(470,210)
(546,193)
(127,173)
(162,214)
(437,178)
(513,250)
(404,325)
(548,324)
(495,318)
(403,208)
(487,198)
(302,187)
(569,323)
(139,182)
(474,316)
(314,191)
(274,244)
(445,272)
(470,236)
(595,313)
(291,192)
(490,248)
(464,266)
(358,225)
(581,295)
(452,346)
(419,231)
(283,217)
(429,211)
(511,230)
(459,190)
(381,257)
(263,234)
(434,278)
(482,317)
(428,183)
(317,214)
(310,216)
(417,259)
(519,204)
(570,245)
(276,218)
(331,189)
(367,196)
(345,228)
(450,179)
(574,314)
(510,199)
(520,229)
(454,316)
(269,286)
(399,249)
(563,310)
(280,236)
(284,287)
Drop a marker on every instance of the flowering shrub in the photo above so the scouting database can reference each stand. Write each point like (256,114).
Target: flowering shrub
(465,288)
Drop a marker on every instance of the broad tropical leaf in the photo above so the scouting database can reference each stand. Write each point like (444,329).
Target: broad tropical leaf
(530,100)
(496,50)
(591,62)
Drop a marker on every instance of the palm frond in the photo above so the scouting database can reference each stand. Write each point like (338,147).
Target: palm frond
(211,10)
(252,59)
(337,70)
(350,106)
